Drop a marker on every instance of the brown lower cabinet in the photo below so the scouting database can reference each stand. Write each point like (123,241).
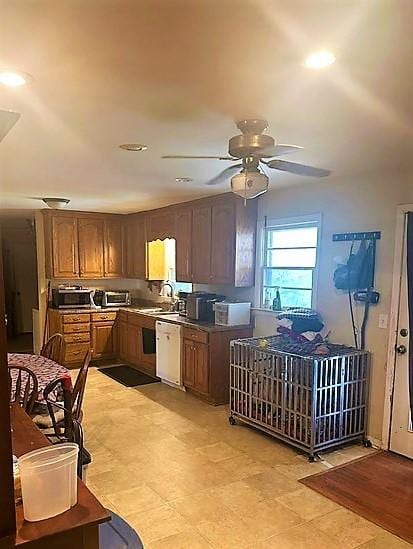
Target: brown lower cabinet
(135,331)
(82,332)
(205,361)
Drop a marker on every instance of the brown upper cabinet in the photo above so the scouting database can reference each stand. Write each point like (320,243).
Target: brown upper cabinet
(183,232)
(62,244)
(160,224)
(113,253)
(135,251)
(91,262)
(82,245)
(223,241)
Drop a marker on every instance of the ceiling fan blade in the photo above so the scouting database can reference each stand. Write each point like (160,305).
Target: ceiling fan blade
(299,169)
(280,150)
(183,157)
(224,175)
(7,121)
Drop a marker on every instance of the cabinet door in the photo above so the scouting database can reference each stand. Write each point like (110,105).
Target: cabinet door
(188,363)
(223,243)
(134,337)
(65,253)
(103,340)
(183,245)
(201,367)
(123,340)
(113,248)
(136,248)
(91,247)
(201,244)
(160,225)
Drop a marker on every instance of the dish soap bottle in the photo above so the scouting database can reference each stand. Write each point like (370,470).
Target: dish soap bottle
(276,302)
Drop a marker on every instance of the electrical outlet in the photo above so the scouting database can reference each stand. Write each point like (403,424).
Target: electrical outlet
(383,321)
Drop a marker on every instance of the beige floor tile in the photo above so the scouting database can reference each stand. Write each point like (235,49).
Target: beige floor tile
(157,523)
(190,539)
(243,466)
(304,536)
(201,506)
(139,498)
(228,533)
(385,541)
(301,468)
(350,529)
(268,518)
(237,496)
(307,503)
(218,451)
(271,484)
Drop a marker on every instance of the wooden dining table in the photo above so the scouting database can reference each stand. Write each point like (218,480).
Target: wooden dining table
(45,369)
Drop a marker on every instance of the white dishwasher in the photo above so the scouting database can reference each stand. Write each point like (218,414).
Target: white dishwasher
(168,352)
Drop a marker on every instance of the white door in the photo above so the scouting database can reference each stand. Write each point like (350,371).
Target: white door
(401,438)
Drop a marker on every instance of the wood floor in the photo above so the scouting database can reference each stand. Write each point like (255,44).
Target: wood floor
(378,487)
(184,478)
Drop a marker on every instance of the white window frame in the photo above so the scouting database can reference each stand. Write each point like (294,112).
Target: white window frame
(262,225)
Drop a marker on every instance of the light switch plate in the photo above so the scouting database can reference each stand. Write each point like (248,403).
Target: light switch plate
(383,321)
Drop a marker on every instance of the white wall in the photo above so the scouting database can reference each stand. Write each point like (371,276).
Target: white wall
(364,203)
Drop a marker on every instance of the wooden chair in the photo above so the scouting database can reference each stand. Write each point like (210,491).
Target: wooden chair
(54,348)
(79,388)
(23,387)
(62,426)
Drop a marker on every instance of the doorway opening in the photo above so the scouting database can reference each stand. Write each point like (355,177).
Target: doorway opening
(20,280)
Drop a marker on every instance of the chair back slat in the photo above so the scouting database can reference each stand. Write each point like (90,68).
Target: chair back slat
(23,387)
(54,348)
(79,388)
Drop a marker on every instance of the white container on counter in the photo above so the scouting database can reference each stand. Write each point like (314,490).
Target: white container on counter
(49,481)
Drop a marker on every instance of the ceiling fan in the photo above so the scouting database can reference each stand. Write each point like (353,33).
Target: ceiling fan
(257,152)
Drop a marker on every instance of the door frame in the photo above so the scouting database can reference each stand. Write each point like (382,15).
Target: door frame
(402,210)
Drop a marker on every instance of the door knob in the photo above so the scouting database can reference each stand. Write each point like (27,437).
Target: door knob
(403,332)
(401,349)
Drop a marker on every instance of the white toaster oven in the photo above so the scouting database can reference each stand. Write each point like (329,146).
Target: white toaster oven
(232,314)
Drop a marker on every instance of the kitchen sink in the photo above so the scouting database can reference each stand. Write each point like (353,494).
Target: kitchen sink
(154,311)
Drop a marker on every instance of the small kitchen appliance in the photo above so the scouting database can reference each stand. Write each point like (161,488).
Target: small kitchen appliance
(199,306)
(72,297)
(116,299)
(180,304)
(232,313)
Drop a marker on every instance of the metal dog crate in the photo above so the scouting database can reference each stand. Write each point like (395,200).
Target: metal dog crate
(310,400)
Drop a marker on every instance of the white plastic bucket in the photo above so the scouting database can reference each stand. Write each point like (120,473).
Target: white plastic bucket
(49,480)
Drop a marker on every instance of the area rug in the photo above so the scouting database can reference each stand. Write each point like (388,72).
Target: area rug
(378,487)
(128,376)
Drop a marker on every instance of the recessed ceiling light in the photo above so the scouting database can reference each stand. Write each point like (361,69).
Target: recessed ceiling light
(320,59)
(183,179)
(13,79)
(136,147)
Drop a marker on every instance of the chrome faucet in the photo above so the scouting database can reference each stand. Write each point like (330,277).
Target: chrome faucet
(172,293)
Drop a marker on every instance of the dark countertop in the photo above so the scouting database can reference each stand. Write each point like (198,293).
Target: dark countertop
(174,318)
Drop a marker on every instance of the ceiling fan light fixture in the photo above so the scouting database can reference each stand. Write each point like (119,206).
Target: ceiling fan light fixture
(134,147)
(320,59)
(13,79)
(56,203)
(249,184)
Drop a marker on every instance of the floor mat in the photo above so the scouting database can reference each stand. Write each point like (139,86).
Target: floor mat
(128,376)
(377,487)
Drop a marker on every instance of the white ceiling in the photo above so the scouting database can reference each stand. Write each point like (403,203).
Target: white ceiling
(174,74)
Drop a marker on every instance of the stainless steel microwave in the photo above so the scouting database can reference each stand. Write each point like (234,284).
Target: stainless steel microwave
(116,299)
(72,297)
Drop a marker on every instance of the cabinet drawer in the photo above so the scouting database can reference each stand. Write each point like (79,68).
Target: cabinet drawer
(195,335)
(76,352)
(68,319)
(102,317)
(77,338)
(76,328)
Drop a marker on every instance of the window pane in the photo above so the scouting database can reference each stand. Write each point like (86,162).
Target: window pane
(288,278)
(291,258)
(292,238)
(289,298)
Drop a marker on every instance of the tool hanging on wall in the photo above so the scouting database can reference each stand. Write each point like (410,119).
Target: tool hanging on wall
(358,275)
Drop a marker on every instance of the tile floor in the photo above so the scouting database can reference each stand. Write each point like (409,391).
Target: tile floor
(175,469)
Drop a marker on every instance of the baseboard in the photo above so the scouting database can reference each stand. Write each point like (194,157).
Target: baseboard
(376,442)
